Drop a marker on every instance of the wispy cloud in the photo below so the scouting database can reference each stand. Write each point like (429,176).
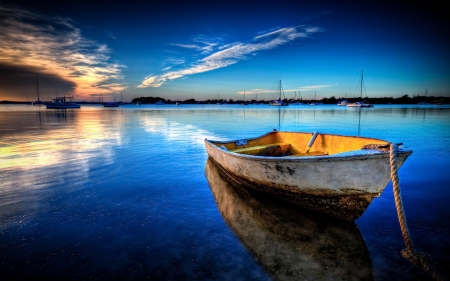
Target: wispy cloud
(110,34)
(56,46)
(256,91)
(316,87)
(228,54)
(267,91)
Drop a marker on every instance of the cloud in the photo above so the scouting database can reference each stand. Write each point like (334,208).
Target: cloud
(55,46)
(229,54)
(315,87)
(110,34)
(257,91)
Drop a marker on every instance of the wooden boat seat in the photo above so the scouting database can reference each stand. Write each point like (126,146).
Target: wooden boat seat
(258,149)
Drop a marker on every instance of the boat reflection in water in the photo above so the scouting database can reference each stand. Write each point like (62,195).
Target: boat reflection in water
(288,242)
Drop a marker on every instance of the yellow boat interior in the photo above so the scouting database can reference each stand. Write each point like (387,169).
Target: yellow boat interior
(299,144)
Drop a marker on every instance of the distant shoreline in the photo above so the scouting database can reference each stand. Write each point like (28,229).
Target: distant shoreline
(386,100)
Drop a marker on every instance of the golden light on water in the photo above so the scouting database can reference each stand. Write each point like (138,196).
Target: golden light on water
(50,144)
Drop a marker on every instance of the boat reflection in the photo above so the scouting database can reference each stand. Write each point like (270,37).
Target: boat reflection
(61,113)
(288,242)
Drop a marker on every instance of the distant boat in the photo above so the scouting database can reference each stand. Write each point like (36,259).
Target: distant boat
(279,102)
(295,99)
(336,177)
(138,103)
(315,102)
(62,103)
(218,99)
(38,101)
(343,103)
(177,103)
(111,104)
(360,103)
(244,103)
(160,102)
(426,96)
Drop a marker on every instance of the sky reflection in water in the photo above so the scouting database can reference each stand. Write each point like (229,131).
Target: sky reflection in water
(122,192)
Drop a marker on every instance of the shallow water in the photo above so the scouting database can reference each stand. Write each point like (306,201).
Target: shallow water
(121,193)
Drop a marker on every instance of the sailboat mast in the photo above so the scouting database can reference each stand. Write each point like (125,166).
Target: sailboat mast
(37,87)
(362,80)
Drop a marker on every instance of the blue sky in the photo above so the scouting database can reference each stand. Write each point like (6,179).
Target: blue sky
(205,49)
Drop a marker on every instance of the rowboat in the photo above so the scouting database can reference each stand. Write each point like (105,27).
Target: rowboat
(332,174)
(287,241)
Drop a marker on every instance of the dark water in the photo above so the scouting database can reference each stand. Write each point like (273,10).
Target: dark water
(127,193)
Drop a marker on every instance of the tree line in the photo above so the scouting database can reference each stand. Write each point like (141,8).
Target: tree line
(405,99)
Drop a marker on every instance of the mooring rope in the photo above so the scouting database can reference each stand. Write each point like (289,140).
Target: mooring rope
(417,258)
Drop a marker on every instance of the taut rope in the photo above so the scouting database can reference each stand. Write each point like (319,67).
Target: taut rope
(417,258)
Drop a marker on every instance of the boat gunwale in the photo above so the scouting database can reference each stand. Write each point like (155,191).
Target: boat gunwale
(347,155)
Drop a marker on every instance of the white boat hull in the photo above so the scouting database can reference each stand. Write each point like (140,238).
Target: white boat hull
(342,184)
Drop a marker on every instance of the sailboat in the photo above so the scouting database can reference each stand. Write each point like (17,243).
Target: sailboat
(279,102)
(244,103)
(424,101)
(296,100)
(38,101)
(360,103)
(218,99)
(315,102)
(344,102)
(112,103)
(29,102)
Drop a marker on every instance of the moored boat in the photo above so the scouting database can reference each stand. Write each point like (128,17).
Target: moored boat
(111,104)
(62,103)
(332,174)
(315,102)
(38,101)
(424,102)
(279,102)
(343,103)
(360,103)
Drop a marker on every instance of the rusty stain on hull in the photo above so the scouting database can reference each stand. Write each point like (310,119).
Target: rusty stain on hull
(347,207)
(340,182)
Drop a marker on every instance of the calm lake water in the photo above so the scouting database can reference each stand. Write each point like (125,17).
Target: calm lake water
(128,193)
